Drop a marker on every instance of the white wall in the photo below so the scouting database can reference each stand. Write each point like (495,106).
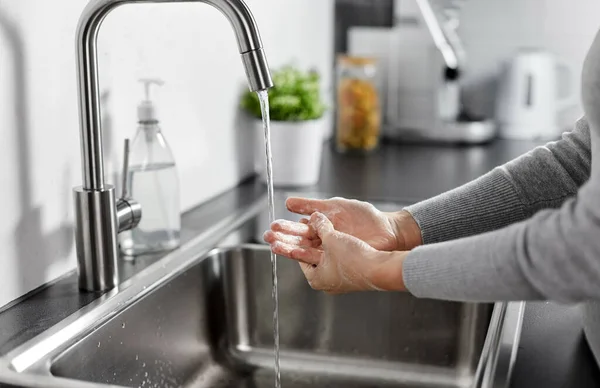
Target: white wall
(493,29)
(190,46)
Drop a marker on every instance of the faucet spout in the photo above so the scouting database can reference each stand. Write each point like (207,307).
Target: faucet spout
(249,42)
(97,223)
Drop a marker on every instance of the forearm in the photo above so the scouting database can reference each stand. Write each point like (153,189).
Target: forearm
(387,274)
(552,256)
(407,230)
(488,203)
(543,178)
(482,268)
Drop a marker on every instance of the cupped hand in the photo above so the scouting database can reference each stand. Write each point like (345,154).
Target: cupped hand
(359,219)
(382,231)
(336,262)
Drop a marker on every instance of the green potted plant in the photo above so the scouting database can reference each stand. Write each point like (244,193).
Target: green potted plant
(297,113)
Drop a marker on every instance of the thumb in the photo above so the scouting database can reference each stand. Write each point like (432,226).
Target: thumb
(321,224)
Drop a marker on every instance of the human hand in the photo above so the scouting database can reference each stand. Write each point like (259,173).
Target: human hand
(336,262)
(382,231)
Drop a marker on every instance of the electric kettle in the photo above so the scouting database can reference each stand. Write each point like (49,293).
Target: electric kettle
(529,101)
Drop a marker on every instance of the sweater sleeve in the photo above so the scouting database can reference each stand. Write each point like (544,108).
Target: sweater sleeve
(553,254)
(542,178)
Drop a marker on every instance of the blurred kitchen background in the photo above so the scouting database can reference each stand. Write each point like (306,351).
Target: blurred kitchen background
(191,47)
(496,41)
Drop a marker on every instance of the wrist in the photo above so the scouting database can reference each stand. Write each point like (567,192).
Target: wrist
(406,230)
(387,274)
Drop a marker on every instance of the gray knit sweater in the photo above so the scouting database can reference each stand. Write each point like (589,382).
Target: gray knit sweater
(528,230)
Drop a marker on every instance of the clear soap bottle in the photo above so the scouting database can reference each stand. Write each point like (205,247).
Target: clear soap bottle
(153,181)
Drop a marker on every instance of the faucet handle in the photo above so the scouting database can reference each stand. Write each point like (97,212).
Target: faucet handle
(125,171)
(129,211)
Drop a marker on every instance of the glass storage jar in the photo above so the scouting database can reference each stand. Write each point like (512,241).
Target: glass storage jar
(358,124)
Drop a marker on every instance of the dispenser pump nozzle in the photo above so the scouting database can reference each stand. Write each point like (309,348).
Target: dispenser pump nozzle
(147,111)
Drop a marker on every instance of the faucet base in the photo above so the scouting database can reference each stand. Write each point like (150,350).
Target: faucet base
(96,238)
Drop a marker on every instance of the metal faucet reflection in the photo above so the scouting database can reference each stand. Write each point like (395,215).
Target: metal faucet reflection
(98,216)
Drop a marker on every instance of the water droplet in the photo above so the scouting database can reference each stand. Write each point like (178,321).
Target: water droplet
(146,374)
(123,325)
(137,357)
(98,344)
(115,373)
(121,342)
(144,365)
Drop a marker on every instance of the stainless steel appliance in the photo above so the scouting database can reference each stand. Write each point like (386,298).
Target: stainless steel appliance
(423,99)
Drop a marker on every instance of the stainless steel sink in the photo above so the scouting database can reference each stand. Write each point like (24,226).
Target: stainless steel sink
(202,317)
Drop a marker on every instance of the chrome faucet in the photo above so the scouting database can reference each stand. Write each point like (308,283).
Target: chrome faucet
(442,22)
(98,216)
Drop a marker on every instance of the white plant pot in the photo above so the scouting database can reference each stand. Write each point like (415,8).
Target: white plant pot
(297,152)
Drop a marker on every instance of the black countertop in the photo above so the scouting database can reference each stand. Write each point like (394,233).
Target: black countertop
(552,353)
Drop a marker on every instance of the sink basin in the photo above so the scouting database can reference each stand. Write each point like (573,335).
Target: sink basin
(202,317)
(214,322)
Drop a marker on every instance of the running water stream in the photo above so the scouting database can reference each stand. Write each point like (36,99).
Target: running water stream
(263,96)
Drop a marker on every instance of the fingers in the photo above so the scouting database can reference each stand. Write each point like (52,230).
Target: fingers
(303,254)
(301,241)
(306,206)
(321,225)
(293,228)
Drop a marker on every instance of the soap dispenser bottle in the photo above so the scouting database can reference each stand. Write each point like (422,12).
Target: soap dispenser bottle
(153,181)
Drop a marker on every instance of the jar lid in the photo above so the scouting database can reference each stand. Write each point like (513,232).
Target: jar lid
(356,60)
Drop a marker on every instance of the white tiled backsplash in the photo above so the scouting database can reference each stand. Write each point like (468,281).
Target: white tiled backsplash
(491,30)
(191,46)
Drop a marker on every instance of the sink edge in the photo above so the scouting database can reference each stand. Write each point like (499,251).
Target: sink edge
(36,354)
